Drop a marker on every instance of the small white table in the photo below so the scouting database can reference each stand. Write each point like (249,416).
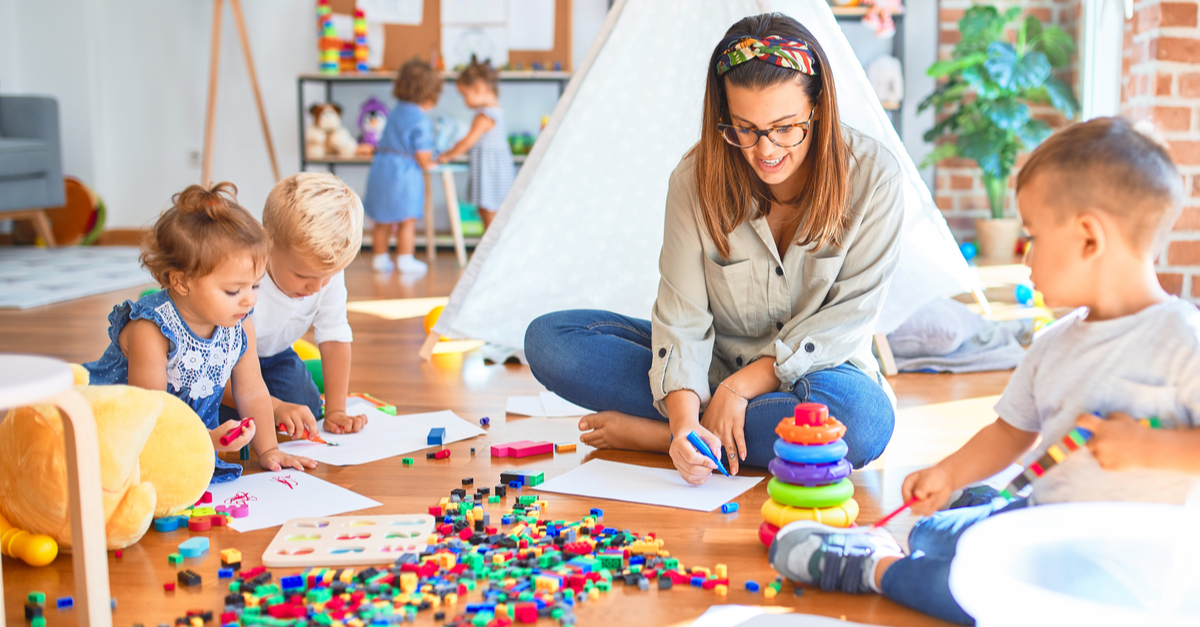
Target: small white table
(447,171)
(29,379)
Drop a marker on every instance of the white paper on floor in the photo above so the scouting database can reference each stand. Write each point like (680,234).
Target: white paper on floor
(384,436)
(652,486)
(756,616)
(546,404)
(277,497)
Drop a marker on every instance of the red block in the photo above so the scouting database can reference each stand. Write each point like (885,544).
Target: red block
(525,613)
(576,583)
(446,529)
(169,586)
(199,524)
(442,454)
(436,510)
(462,590)
(228,617)
(466,534)
(709,584)
(491,531)
(218,520)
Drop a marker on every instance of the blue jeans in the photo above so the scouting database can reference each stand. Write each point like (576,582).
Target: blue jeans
(601,361)
(922,579)
(288,380)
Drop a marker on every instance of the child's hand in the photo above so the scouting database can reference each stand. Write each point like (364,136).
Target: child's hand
(444,158)
(691,464)
(1118,442)
(236,444)
(276,459)
(295,419)
(932,486)
(337,421)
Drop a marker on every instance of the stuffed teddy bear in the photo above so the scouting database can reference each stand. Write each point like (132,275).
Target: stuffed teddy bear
(156,459)
(326,137)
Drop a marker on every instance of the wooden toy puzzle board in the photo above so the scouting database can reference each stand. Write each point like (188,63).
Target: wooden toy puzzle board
(347,540)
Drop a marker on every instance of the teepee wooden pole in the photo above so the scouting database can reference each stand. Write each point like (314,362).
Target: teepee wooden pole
(214,71)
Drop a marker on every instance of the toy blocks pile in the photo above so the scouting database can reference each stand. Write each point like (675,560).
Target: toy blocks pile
(202,517)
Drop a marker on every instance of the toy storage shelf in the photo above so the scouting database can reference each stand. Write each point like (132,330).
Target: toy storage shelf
(517,159)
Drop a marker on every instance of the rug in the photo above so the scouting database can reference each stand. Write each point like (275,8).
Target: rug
(32,277)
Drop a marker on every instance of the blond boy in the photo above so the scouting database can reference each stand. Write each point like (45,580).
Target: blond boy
(316,224)
(1097,200)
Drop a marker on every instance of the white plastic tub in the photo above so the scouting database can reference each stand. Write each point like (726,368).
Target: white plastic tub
(1128,564)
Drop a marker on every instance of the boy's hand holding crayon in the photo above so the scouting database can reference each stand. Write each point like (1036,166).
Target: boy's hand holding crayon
(294,419)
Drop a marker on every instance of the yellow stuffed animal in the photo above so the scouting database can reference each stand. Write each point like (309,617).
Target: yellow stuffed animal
(155,459)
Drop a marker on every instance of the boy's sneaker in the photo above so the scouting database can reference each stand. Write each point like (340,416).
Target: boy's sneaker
(411,265)
(382,263)
(836,559)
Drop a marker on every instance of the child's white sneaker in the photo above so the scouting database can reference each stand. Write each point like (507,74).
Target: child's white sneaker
(382,263)
(411,265)
(834,558)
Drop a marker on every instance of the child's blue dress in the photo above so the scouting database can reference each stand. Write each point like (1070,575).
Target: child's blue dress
(396,183)
(197,369)
(492,170)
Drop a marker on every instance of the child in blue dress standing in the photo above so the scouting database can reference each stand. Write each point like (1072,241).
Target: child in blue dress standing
(395,195)
(492,169)
(195,336)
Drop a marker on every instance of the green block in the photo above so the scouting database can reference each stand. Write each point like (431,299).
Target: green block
(39,621)
(611,562)
(318,376)
(493,499)
(322,619)
(526,499)
(252,611)
(670,563)
(407,461)
(532,480)
(604,585)
(636,568)
(37,597)
(481,619)
(174,558)
(556,613)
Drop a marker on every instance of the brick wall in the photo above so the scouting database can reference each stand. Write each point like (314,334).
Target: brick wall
(958,189)
(1161,83)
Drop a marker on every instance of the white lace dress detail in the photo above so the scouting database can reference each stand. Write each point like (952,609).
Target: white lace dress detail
(199,367)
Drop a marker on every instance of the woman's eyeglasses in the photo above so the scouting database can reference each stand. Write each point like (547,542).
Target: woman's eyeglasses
(786,136)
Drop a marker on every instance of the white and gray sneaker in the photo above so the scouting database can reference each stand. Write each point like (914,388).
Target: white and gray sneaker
(836,559)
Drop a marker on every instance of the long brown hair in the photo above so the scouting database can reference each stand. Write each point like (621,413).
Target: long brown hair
(201,229)
(730,191)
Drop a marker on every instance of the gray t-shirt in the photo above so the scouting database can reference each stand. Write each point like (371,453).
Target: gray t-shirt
(1146,364)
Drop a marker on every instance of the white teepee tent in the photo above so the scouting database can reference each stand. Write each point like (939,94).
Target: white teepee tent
(582,226)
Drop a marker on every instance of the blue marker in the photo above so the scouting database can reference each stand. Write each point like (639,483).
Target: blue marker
(694,438)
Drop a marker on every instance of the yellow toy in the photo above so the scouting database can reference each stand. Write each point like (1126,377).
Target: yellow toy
(306,350)
(155,459)
(35,550)
(431,318)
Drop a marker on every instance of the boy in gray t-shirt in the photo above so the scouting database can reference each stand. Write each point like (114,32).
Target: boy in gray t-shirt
(1097,200)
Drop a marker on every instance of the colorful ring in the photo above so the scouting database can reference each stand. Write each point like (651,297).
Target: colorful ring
(810,475)
(814,426)
(767,533)
(842,515)
(816,498)
(816,454)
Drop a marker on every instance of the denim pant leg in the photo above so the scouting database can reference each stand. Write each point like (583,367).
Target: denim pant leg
(853,397)
(596,359)
(288,380)
(922,579)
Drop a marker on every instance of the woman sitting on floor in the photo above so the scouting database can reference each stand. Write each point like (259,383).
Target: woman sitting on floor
(782,234)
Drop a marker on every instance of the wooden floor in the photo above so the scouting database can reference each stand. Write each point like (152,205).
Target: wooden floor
(938,413)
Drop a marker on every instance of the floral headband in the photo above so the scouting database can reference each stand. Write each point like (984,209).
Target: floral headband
(789,53)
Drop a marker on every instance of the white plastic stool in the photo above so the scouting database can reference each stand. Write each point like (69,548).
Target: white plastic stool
(28,380)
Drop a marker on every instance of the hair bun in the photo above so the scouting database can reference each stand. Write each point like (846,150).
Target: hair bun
(213,201)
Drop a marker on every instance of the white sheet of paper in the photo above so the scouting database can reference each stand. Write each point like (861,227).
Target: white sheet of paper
(384,436)
(556,406)
(652,486)
(531,24)
(525,406)
(474,12)
(277,497)
(375,44)
(393,11)
(485,42)
(757,616)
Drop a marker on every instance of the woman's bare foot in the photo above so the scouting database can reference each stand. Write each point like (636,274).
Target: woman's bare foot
(613,429)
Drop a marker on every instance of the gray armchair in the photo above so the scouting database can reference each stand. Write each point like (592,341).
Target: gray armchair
(31,178)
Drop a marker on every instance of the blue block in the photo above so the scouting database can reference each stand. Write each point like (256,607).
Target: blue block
(752,586)
(194,547)
(597,512)
(166,524)
(729,508)
(514,485)
(637,559)
(65,603)
(698,581)
(289,583)
(437,436)
(225,573)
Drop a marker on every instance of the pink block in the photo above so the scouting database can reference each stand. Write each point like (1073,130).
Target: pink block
(505,450)
(240,511)
(525,449)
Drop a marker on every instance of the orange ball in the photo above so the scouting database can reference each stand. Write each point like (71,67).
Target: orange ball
(431,318)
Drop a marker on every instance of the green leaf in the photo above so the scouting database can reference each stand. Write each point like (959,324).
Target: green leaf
(980,23)
(944,68)
(1033,133)
(947,94)
(946,126)
(1010,15)
(978,79)
(1056,44)
(942,151)
(1032,71)
(1033,30)
(986,148)
(1009,114)
(1062,97)
(1001,64)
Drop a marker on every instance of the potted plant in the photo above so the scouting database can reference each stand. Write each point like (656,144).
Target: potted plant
(989,82)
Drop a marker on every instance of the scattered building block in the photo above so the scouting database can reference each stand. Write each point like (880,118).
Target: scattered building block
(188,578)
(169,586)
(231,556)
(442,454)
(174,558)
(437,436)
(65,603)
(194,547)
(523,448)
(407,461)
(569,447)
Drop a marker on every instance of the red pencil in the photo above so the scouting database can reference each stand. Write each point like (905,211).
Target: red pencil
(883,521)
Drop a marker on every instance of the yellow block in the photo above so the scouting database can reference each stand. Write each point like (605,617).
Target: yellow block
(1056,453)
(722,571)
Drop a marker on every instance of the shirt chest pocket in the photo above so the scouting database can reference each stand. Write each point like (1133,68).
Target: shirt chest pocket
(817,275)
(738,307)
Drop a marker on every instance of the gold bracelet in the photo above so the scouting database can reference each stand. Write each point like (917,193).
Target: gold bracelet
(739,395)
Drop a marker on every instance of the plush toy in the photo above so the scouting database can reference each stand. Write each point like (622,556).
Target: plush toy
(155,459)
(326,137)
(371,119)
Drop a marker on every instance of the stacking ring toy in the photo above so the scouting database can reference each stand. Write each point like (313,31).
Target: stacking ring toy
(841,515)
(767,533)
(812,424)
(809,475)
(816,454)
(800,496)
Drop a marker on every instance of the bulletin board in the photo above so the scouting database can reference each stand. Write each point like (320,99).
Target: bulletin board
(403,42)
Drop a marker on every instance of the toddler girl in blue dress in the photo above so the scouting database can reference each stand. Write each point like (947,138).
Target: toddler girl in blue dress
(395,195)
(195,336)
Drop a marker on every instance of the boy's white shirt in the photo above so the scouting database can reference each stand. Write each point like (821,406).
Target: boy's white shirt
(1145,364)
(279,320)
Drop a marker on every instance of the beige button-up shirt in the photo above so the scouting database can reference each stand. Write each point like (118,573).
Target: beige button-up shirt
(810,310)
